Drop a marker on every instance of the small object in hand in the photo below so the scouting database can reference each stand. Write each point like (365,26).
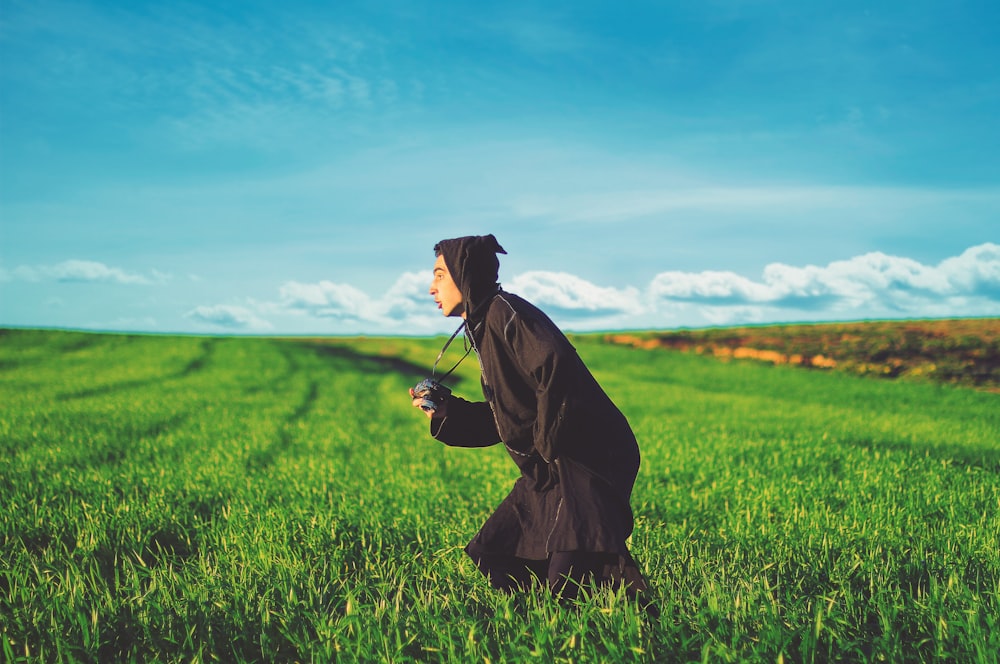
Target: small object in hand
(431,393)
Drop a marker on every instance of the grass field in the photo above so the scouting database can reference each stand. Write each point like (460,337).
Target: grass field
(239,499)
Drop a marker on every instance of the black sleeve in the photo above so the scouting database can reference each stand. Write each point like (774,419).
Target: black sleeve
(467,424)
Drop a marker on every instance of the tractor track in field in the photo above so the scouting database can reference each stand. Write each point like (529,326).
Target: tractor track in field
(194,365)
(285,440)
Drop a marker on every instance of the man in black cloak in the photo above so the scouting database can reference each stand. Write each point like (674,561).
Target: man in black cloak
(567,517)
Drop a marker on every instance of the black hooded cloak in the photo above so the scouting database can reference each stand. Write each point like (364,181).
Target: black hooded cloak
(576,453)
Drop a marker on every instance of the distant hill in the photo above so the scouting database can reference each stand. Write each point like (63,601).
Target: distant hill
(958,351)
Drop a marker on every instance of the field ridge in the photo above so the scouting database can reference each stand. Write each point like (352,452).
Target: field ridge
(956,351)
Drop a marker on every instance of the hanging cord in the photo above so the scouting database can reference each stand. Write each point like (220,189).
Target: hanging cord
(468,350)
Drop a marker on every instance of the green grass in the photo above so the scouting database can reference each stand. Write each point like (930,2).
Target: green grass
(242,499)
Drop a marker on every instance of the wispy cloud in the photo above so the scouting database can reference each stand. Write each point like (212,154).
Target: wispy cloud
(539,35)
(624,204)
(267,105)
(229,317)
(200,77)
(83,271)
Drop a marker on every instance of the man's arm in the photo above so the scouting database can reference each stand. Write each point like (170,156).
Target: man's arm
(461,423)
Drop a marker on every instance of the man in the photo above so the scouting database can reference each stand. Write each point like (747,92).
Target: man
(567,518)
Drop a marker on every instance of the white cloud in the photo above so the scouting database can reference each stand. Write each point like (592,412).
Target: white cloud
(569,294)
(872,285)
(405,305)
(408,299)
(84,271)
(975,271)
(326,306)
(707,286)
(230,317)
(326,300)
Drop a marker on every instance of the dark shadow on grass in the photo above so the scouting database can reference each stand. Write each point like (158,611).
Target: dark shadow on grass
(198,362)
(263,458)
(275,384)
(380,364)
(195,364)
(119,442)
(111,388)
(81,343)
(55,346)
(125,438)
(342,356)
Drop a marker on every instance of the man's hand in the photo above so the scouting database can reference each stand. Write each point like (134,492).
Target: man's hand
(430,396)
(418,401)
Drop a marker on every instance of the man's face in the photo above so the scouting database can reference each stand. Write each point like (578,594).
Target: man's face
(445,292)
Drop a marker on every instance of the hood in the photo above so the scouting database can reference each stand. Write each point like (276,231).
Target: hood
(474,266)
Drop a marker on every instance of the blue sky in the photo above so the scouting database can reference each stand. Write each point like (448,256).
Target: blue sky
(260,167)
